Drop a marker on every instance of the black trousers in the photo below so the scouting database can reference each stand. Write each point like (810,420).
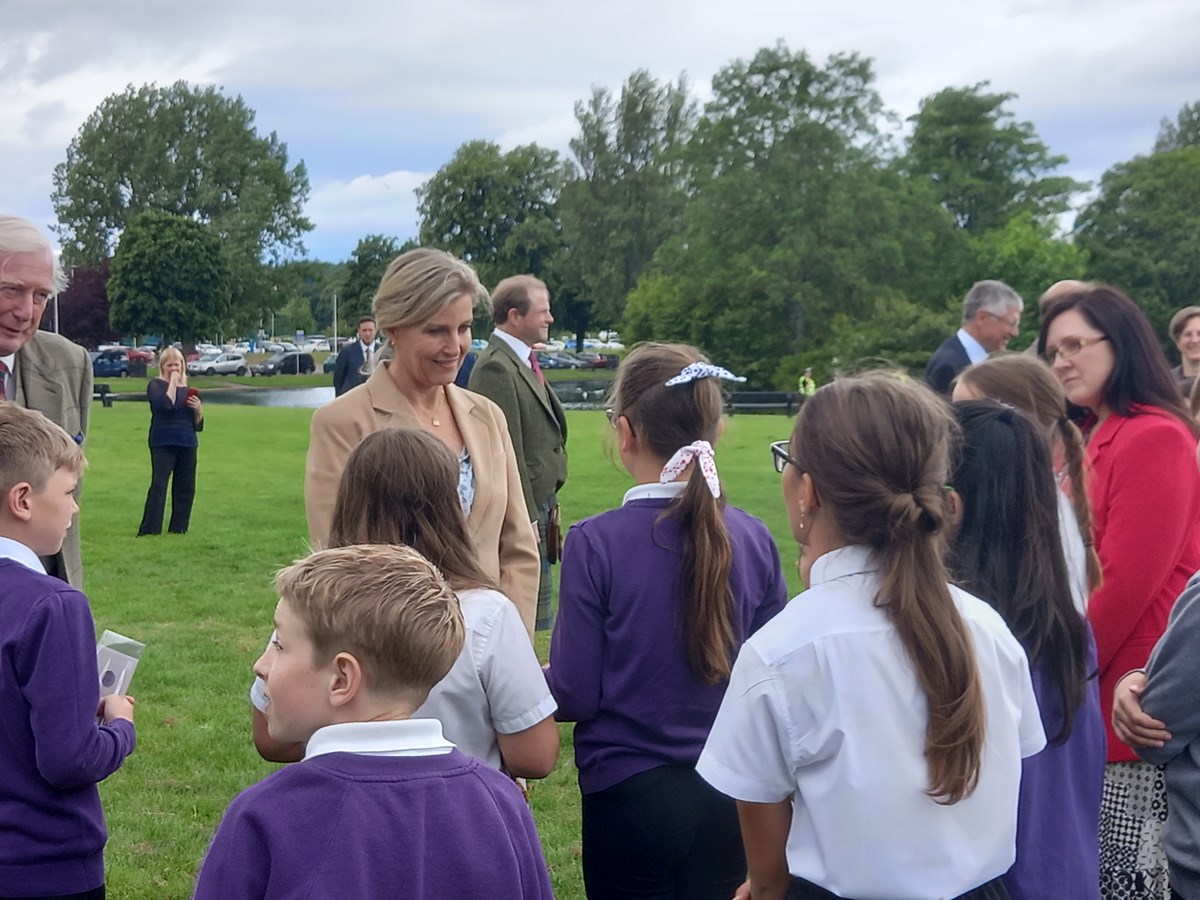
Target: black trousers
(179,465)
(664,834)
(806,890)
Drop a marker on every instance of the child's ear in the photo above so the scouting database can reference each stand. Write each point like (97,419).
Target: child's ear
(954,512)
(626,438)
(346,682)
(18,502)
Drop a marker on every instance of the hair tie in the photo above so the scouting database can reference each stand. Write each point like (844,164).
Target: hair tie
(696,370)
(700,452)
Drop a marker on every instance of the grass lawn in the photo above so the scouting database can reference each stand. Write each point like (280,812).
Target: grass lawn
(202,604)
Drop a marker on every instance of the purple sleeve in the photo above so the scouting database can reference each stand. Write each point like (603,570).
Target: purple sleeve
(237,863)
(577,645)
(535,877)
(60,682)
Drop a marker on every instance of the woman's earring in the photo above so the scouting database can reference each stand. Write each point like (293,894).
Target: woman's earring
(802,523)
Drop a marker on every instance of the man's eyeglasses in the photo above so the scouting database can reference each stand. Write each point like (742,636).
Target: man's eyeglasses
(781,457)
(1070,346)
(1014,324)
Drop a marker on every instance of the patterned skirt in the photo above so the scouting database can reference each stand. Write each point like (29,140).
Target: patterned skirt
(1133,813)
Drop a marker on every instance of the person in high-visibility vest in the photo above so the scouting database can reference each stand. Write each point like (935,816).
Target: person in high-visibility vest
(807,385)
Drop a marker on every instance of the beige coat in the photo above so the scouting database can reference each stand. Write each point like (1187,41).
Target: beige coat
(54,376)
(499,521)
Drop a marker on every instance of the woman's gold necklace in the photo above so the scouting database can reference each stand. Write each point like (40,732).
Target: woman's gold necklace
(437,423)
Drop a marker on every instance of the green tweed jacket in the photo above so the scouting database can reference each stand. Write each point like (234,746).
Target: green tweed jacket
(536,420)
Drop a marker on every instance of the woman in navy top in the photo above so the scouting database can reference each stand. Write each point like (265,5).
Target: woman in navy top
(176,414)
(655,599)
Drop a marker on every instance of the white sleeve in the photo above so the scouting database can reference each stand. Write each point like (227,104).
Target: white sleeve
(1032,735)
(511,675)
(747,753)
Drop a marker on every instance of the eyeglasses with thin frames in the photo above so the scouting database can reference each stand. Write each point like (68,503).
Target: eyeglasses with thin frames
(781,457)
(1070,346)
(1014,324)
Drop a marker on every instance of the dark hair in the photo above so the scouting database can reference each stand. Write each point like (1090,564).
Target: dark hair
(1028,384)
(877,447)
(665,419)
(362,319)
(513,293)
(1141,374)
(1008,549)
(400,486)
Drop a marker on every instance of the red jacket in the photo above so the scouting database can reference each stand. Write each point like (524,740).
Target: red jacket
(1145,491)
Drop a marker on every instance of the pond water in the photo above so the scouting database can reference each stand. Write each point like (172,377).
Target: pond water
(585,394)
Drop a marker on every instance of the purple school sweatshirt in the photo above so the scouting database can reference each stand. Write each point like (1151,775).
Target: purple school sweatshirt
(52,753)
(618,660)
(444,827)
(1058,818)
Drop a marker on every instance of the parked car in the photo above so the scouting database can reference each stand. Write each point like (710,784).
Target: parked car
(141,356)
(330,363)
(591,359)
(565,360)
(226,363)
(113,364)
(290,363)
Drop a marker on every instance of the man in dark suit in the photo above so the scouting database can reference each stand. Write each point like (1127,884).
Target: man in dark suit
(39,370)
(507,372)
(991,316)
(348,373)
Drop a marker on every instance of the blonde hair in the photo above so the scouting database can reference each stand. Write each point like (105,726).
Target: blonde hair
(171,353)
(417,286)
(386,605)
(1027,383)
(877,447)
(32,448)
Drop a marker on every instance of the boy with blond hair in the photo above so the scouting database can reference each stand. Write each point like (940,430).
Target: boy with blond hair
(382,805)
(52,752)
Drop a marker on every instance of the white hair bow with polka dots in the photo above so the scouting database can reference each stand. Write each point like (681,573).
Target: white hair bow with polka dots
(695,370)
(700,452)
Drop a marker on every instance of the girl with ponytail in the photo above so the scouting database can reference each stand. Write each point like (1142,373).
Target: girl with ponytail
(872,733)
(655,599)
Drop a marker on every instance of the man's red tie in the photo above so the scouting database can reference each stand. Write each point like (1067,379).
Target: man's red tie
(537,370)
(4,378)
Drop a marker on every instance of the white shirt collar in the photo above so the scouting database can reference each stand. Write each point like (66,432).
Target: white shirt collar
(10,360)
(519,347)
(397,737)
(852,560)
(18,552)
(975,350)
(668,491)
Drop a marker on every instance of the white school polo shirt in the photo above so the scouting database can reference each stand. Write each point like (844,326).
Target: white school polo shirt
(823,704)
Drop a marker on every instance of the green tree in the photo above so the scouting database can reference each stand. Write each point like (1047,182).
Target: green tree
(365,268)
(496,210)
(629,197)
(1142,231)
(169,277)
(1183,132)
(795,218)
(192,152)
(985,166)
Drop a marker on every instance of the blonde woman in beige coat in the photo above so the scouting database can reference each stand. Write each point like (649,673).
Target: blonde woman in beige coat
(424,308)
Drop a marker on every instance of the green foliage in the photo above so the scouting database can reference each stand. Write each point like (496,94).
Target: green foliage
(309,285)
(169,277)
(1142,231)
(495,210)
(629,197)
(189,151)
(986,167)
(364,271)
(1183,132)
(795,219)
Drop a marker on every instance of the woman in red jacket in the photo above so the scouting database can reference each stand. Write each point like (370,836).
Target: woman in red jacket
(1145,493)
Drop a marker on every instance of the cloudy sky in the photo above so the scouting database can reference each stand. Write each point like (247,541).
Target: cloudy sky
(374,95)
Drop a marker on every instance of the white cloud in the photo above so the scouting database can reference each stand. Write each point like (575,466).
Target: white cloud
(345,211)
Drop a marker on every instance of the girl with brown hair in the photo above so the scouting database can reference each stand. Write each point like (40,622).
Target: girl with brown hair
(655,599)
(872,733)
(1026,383)
(400,486)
